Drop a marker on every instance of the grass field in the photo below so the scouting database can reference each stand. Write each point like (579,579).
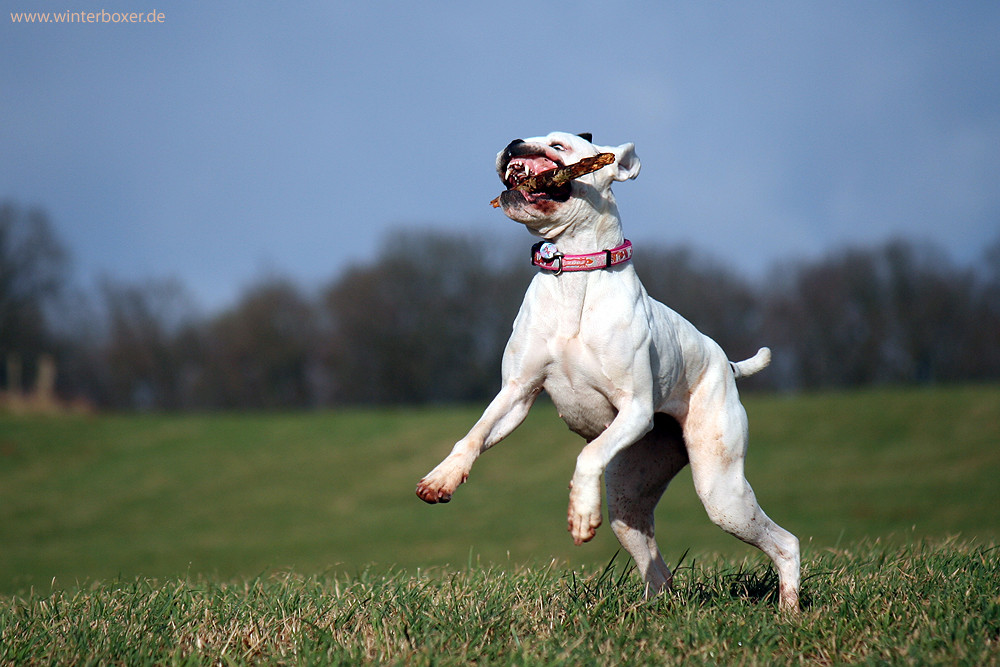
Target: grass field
(918,604)
(276,524)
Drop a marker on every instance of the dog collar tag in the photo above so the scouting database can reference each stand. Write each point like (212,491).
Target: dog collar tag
(548,251)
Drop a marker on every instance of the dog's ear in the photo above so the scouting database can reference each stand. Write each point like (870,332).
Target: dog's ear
(587,136)
(626,162)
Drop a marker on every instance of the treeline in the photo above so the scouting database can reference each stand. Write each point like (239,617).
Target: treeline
(426,322)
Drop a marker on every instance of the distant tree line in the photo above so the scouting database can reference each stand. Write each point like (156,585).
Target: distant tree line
(426,321)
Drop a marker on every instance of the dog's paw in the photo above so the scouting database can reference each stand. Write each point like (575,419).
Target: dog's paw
(431,494)
(788,598)
(439,485)
(584,514)
(583,525)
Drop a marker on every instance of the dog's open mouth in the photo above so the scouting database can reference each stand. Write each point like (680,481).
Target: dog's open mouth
(528,174)
(535,177)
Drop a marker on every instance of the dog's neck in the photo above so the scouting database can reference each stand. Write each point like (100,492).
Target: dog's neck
(602,232)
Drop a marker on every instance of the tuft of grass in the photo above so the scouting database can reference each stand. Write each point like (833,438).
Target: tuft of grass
(925,603)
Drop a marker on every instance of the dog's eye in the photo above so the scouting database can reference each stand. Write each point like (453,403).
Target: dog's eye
(558,147)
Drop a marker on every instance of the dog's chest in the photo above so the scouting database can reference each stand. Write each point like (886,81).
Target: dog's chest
(579,386)
(585,333)
(586,413)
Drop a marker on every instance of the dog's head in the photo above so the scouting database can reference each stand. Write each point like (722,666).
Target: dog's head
(549,213)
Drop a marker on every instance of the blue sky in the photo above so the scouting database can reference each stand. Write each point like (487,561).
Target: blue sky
(235,140)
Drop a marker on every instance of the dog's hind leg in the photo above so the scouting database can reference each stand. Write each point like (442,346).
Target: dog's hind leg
(635,479)
(715,431)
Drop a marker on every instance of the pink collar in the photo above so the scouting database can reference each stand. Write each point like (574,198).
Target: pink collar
(545,255)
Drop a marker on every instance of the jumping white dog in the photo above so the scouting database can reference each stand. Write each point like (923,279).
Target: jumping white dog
(647,390)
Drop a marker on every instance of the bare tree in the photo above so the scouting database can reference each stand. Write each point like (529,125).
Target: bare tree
(144,359)
(261,353)
(898,313)
(426,321)
(33,268)
(983,349)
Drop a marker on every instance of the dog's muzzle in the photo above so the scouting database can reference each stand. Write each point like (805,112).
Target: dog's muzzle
(520,161)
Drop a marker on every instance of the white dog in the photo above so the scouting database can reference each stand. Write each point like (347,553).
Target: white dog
(647,390)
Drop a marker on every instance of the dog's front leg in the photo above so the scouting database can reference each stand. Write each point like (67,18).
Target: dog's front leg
(504,414)
(632,422)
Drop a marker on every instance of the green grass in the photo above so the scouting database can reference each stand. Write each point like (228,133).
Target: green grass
(164,530)
(86,498)
(927,603)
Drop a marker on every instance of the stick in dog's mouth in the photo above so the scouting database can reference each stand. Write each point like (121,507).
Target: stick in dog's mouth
(554,178)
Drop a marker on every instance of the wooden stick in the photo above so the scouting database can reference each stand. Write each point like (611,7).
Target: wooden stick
(553,178)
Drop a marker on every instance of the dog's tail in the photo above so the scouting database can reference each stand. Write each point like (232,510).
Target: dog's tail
(754,364)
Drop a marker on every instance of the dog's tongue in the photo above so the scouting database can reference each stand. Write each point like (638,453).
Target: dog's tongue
(539,164)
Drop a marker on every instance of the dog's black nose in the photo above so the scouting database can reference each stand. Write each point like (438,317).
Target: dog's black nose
(512,150)
(511,145)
